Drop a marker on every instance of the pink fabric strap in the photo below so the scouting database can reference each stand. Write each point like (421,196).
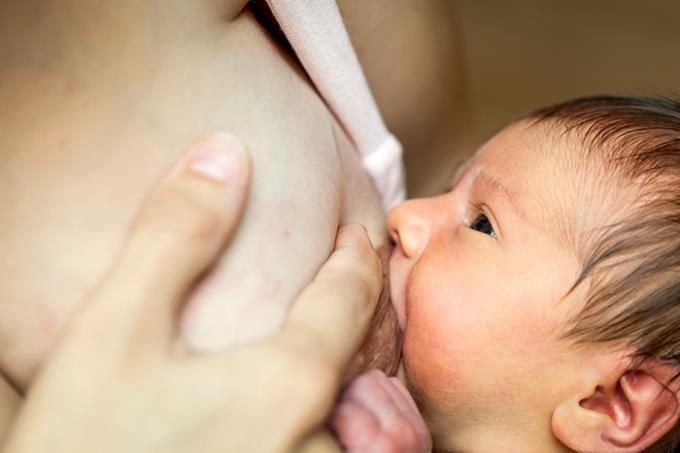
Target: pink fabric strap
(317,33)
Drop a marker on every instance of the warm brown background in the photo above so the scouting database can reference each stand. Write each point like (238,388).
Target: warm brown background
(528,53)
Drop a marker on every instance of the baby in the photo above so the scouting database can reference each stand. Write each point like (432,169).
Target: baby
(540,296)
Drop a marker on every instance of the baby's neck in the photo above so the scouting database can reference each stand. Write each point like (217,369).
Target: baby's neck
(503,435)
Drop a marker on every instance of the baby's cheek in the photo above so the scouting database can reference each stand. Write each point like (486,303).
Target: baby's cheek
(434,357)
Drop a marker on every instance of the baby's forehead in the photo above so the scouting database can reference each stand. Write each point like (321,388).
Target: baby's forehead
(546,173)
(526,159)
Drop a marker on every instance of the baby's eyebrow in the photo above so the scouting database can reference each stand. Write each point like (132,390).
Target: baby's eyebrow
(494,184)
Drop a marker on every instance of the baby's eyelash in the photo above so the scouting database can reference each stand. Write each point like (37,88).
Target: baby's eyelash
(473,210)
(479,220)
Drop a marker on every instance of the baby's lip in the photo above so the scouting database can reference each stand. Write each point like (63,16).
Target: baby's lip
(397,286)
(381,348)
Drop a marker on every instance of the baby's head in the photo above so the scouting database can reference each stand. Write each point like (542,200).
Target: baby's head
(540,297)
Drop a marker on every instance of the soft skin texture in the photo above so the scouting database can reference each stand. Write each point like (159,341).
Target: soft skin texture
(132,391)
(98,100)
(484,312)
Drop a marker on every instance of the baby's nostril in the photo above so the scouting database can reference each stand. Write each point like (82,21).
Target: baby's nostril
(394,237)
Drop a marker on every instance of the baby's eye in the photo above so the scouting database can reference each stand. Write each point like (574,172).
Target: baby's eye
(482,224)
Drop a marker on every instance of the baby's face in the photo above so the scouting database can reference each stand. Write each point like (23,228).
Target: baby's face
(479,278)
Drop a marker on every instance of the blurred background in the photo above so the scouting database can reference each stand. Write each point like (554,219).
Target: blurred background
(524,54)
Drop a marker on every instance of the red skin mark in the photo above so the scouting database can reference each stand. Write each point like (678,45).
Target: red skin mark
(267,289)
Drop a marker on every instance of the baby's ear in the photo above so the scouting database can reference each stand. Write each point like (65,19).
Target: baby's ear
(624,411)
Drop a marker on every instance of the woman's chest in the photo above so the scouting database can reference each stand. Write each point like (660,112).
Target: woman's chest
(87,145)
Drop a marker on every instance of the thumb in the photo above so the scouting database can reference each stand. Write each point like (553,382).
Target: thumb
(178,234)
(330,317)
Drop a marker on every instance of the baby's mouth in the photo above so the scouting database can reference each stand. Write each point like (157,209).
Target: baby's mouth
(397,286)
(381,348)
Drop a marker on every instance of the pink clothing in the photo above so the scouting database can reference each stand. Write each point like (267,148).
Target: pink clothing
(317,33)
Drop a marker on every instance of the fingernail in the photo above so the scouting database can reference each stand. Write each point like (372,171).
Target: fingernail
(217,157)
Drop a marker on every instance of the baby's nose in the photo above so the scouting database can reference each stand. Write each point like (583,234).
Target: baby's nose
(409,227)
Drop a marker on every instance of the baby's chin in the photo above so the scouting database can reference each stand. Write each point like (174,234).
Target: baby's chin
(381,349)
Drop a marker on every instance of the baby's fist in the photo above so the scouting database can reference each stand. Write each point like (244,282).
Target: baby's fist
(376,414)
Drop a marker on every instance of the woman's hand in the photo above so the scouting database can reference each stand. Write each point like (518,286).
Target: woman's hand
(117,382)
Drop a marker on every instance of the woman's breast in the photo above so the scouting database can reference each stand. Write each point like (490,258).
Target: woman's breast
(85,139)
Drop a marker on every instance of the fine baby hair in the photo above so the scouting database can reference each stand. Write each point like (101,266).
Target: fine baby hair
(631,260)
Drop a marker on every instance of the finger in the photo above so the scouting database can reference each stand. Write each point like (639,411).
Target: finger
(353,424)
(398,398)
(330,317)
(409,411)
(369,391)
(397,384)
(393,430)
(179,232)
